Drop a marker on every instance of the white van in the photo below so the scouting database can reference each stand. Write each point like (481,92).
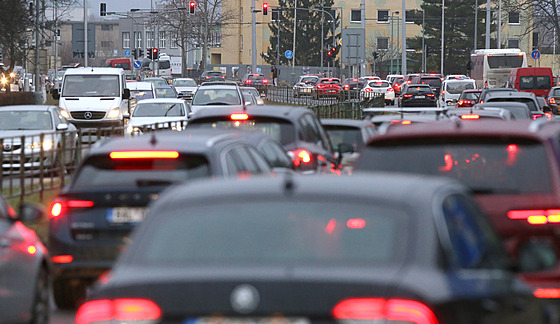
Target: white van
(94,97)
(451,91)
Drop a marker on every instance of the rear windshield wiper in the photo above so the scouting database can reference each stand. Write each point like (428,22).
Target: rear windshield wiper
(218,104)
(494,191)
(152,182)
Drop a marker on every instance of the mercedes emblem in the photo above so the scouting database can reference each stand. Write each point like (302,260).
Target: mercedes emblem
(7,147)
(88,115)
(244,299)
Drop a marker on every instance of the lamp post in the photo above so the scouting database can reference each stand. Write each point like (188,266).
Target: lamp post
(442,32)
(423,49)
(487,43)
(475,24)
(499,38)
(392,37)
(85,35)
(403,59)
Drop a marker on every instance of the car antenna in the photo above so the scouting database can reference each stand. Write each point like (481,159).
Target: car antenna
(153,140)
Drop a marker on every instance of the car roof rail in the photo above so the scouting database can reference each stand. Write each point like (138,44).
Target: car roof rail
(211,83)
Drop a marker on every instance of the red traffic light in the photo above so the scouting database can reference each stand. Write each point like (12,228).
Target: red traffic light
(265,9)
(333,49)
(329,53)
(192,4)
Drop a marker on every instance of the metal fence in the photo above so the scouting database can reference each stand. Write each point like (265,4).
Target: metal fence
(38,163)
(287,95)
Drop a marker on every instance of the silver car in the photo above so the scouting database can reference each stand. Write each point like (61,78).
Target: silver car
(217,94)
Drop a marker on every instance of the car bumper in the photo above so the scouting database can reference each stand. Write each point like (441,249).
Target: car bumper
(419,103)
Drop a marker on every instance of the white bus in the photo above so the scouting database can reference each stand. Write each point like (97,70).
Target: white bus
(491,67)
(164,63)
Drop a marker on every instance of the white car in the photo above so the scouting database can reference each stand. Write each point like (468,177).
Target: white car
(370,78)
(451,91)
(166,112)
(186,86)
(378,86)
(304,85)
(456,77)
(392,77)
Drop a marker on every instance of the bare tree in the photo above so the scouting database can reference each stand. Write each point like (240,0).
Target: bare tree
(538,15)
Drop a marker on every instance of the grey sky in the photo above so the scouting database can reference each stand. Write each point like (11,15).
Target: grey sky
(119,5)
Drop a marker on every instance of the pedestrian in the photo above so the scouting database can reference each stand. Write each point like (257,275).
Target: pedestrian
(274,71)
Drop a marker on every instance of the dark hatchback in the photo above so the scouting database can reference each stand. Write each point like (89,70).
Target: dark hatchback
(211,76)
(256,80)
(92,218)
(431,79)
(417,95)
(511,167)
(281,250)
(350,88)
(297,129)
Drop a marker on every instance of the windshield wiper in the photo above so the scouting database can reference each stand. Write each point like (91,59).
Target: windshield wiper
(218,104)
(494,191)
(152,182)
(169,109)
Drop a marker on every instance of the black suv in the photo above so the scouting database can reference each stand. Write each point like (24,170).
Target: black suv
(92,218)
(297,129)
(211,76)
(431,79)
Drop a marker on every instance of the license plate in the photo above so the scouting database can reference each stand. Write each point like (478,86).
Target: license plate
(332,91)
(126,215)
(420,97)
(244,320)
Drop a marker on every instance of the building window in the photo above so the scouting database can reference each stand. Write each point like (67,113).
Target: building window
(175,41)
(513,43)
(138,39)
(382,43)
(383,16)
(162,40)
(409,42)
(215,39)
(413,16)
(106,27)
(514,17)
(356,15)
(126,40)
(241,14)
(149,39)
(106,44)
(241,43)
(275,15)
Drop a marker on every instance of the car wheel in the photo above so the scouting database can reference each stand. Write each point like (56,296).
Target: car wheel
(68,294)
(40,307)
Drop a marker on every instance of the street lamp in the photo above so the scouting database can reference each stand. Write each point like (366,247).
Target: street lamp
(392,38)
(442,32)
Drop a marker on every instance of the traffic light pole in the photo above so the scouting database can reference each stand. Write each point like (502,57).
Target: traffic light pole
(253,39)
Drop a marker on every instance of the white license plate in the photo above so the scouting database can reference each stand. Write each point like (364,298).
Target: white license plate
(420,97)
(126,215)
(243,320)
(332,91)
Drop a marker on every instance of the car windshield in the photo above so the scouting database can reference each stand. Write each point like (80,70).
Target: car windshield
(91,86)
(216,97)
(348,135)
(289,231)
(104,172)
(459,87)
(165,93)
(184,83)
(486,165)
(382,84)
(153,109)
(309,80)
(279,129)
(419,90)
(25,120)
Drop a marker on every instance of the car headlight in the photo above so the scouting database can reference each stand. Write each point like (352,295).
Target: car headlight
(47,145)
(64,113)
(4,80)
(132,129)
(114,113)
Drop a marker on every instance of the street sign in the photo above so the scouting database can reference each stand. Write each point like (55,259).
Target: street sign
(289,54)
(340,42)
(536,54)
(127,53)
(137,64)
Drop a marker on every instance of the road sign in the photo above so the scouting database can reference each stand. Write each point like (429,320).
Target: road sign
(289,54)
(127,53)
(137,64)
(340,42)
(536,54)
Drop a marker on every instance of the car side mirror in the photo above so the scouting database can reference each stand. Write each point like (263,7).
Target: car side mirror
(126,115)
(29,212)
(126,94)
(536,255)
(55,94)
(62,127)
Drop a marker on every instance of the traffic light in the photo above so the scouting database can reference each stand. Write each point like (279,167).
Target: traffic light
(135,53)
(140,52)
(155,53)
(192,4)
(103,9)
(150,55)
(265,9)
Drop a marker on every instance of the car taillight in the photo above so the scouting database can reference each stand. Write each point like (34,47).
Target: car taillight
(470,117)
(119,310)
(60,206)
(265,81)
(208,77)
(321,86)
(536,216)
(301,156)
(547,293)
(144,155)
(390,89)
(431,95)
(62,258)
(397,310)
(239,116)
(407,95)
(346,87)
(552,101)
(223,77)
(535,116)
(247,81)
(369,90)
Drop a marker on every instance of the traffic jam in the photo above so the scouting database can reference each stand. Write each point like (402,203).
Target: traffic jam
(441,206)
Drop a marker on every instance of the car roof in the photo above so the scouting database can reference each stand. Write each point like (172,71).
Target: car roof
(345,122)
(395,189)
(248,88)
(93,70)
(140,85)
(28,107)
(162,100)
(165,87)
(513,94)
(175,79)
(459,80)
(283,112)
(154,78)
(189,141)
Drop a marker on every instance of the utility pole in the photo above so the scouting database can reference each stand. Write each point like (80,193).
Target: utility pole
(322,35)
(85,35)
(363,25)
(403,59)
(253,39)
(37,78)
(499,25)
(487,44)
(442,32)
(294,44)
(475,24)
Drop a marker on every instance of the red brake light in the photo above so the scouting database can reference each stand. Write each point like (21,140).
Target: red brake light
(431,95)
(408,95)
(239,116)
(535,116)
(470,117)
(552,101)
(356,223)
(547,293)
(79,203)
(304,156)
(355,80)
(265,81)
(346,87)
(300,156)
(62,259)
(330,79)
(369,90)
(144,155)
(208,77)
(537,216)
(390,89)
(406,122)
(256,74)
(248,81)
(124,310)
(58,207)
(31,249)
(391,310)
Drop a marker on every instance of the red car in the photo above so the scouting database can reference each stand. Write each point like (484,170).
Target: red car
(397,85)
(512,169)
(326,87)
(468,98)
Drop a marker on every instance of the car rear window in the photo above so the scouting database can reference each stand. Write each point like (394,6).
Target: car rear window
(289,231)
(383,84)
(217,73)
(419,90)
(556,92)
(431,81)
(345,134)
(334,81)
(486,165)
(255,77)
(216,97)
(529,102)
(459,87)
(470,95)
(104,172)
(281,130)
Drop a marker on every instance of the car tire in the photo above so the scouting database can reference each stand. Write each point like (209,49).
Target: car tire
(41,300)
(68,294)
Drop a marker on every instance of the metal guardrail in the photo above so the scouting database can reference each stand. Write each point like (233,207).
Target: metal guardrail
(41,162)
